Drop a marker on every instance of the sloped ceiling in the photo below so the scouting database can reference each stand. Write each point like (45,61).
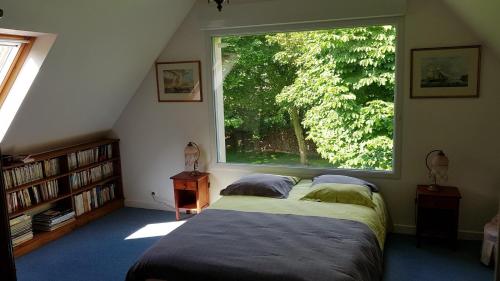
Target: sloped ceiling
(102,53)
(483,17)
(104,50)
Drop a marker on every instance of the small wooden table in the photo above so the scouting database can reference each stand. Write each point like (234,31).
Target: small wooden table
(190,192)
(437,212)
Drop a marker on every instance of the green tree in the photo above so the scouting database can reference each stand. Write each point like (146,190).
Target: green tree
(252,80)
(344,89)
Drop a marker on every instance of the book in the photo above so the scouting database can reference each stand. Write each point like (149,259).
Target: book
(54,226)
(22,175)
(52,219)
(19,240)
(19,219)
(21,229)
(93,199)
(52,214)
(51,167)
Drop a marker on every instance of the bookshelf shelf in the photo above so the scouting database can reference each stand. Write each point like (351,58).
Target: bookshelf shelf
(106,205)
(92,185)
(63,151)
(89,166)
(42,238)
(90,152)
(22,211)
(37,182)
(16,165)
(47,179)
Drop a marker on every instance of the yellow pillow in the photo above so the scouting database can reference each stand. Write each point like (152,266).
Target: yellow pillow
(341,193)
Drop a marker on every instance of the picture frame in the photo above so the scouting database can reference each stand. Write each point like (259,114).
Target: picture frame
(179,81)
(445,72)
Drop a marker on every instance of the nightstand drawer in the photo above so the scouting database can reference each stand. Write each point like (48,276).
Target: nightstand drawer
(185,185)
(436,202)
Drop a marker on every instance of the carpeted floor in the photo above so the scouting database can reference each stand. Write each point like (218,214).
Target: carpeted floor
(106,248)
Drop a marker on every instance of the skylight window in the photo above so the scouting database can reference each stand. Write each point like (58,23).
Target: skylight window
(13,52)
(8,53)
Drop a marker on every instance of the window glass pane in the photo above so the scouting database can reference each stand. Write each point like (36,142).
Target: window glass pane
(311,98)
(7,55)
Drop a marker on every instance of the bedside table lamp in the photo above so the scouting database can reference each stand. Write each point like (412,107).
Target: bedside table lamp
(437,164)
(191,156)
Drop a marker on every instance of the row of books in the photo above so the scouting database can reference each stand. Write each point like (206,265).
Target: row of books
(21,229)
(93,199)
(22,175)
(83,178)
(53,219)
(31,196)
(51,167)
(89,156)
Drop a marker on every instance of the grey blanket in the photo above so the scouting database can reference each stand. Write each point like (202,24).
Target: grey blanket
(221,245)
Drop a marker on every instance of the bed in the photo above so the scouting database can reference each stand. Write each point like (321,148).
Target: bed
(258,238)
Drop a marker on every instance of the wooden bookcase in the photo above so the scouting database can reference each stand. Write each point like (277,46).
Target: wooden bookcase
(66,195)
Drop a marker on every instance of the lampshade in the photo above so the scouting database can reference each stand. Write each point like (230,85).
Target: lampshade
(437,165)
(191,157)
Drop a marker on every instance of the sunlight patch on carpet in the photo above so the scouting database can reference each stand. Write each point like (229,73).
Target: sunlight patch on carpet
(155,230)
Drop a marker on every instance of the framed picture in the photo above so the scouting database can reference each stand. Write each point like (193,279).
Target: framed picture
(179,81)
(450,72)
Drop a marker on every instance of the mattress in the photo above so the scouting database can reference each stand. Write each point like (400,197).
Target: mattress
(257,238)
(375,219)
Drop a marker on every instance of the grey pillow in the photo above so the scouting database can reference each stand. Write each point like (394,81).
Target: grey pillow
(265,185)
(344,180)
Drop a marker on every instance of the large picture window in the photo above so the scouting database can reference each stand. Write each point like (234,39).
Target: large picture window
(322,98)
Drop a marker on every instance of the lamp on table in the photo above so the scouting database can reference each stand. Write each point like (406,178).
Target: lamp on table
(437,164)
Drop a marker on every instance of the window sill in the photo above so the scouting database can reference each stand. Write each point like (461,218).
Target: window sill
(303,172)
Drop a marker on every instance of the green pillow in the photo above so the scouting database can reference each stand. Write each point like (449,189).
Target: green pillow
(341,193)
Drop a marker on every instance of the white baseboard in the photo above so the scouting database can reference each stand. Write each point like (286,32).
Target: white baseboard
(404,229)
(149,205)
(470,235)
(462,234)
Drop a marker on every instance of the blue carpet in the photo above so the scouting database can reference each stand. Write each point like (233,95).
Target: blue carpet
(99,251)
(434,260)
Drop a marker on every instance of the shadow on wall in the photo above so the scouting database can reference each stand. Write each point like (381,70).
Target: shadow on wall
(58,143)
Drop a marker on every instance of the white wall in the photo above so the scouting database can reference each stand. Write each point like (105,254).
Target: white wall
(24,79)
(483,16)
(102,53)
(153,135)
(242,13)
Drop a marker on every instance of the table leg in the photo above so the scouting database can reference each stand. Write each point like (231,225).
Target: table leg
(176,198)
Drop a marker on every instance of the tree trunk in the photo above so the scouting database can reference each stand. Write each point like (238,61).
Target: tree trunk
(299,134)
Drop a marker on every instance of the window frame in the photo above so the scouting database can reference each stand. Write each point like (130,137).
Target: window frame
(218,111)
(16,65)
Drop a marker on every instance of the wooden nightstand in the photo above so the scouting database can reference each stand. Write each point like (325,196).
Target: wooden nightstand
(190,192)
(437,212)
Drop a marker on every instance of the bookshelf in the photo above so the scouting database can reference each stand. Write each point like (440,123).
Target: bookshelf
(84,179)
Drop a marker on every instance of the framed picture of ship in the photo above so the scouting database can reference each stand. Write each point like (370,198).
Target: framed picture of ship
(179,81)
(448,72)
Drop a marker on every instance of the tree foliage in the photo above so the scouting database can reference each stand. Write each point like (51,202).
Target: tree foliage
(252,82)
(341,81)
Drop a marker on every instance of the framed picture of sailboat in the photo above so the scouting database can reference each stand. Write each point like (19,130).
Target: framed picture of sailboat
(447,72)
(179,81)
